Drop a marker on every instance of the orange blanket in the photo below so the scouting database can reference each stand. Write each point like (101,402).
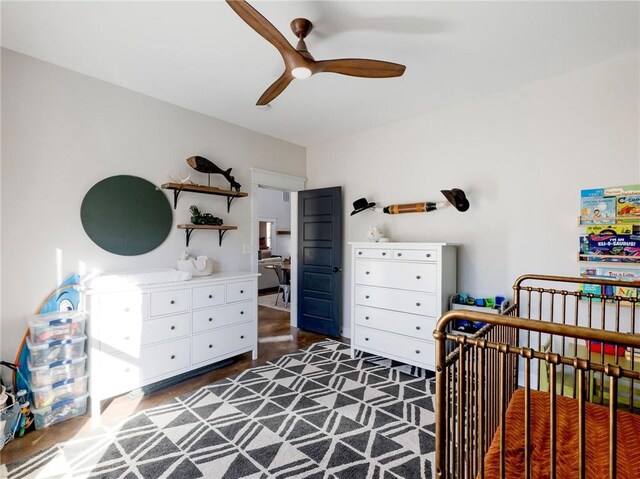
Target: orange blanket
(597,450)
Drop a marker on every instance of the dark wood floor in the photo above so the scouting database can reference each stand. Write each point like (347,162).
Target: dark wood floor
(271,323)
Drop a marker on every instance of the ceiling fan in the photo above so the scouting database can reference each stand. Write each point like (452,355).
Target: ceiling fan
(298,61)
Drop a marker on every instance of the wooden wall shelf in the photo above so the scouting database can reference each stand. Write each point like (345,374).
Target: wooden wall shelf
(221,230)
(208,190)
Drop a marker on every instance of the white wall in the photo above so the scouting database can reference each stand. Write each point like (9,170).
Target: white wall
(521,155)
(272,205)
(62,132)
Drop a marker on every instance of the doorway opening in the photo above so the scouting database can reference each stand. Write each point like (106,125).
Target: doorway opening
(274,248)
(274,240)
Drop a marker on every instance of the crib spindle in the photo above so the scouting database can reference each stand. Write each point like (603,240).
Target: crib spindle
(580,366)
(527,353)
(461,411)
(503,414)
(614,373)
(480,431)
(633,353)
(552,359)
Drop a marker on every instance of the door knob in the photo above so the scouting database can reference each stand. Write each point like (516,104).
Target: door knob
(336,269)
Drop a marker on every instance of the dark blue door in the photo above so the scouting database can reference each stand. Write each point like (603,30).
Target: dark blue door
(320,260)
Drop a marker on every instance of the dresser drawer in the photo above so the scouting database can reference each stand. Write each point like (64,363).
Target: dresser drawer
(424,304)
(115,374)
(169,302)
(211,318)
(374,253)
(218,342)
(396,274)
(385,343)
(420,327)
(129,337)
(128,305)
(206,296)
(163,358)
(415,254)
(241,291)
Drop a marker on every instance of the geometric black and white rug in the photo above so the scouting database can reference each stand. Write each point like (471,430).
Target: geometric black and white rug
(312,414)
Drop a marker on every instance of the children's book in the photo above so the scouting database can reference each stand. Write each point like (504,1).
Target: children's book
(624,229)
(624,274)
(628,207)
(614,245)
(597,210)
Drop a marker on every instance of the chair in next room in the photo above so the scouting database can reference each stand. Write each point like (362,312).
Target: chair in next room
(284,284)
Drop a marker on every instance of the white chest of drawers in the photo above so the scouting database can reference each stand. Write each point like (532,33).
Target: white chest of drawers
(144,334)
(399,291)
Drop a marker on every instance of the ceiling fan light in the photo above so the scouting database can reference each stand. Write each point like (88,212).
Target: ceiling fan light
(301,72)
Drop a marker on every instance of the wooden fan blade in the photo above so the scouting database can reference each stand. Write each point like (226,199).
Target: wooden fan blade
(359,67)
(275,89)
(265,29)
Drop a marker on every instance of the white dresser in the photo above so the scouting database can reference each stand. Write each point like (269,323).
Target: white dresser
(143,334)
(399,291)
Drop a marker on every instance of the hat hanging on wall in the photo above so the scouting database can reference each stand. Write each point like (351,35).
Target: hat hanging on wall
(361,205)
(455,197)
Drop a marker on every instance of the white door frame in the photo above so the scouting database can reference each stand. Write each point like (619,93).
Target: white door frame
(284,182)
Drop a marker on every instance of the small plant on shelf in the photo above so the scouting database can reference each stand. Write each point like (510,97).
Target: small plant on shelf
(198,218)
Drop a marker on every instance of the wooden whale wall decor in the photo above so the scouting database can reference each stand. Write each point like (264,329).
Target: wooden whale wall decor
(455,197)
(203,165)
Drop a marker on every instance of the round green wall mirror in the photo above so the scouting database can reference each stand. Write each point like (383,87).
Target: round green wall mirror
(126,215)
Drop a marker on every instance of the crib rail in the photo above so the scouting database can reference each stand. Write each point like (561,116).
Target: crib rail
(564,300)
(565,348)
(475,383)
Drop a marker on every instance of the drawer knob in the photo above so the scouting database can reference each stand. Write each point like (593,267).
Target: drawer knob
(173,327)
(428,255)
(399,254)
(210,319)
(359,252)
(367,297)
(242,291)
(210,296)
(241,313)
(384,254)
(126,310)
(172,302)
(210,346)
(126,338)
(242,337)
(173,356)
(418,277)
(126,370)
(366,317)
(418,328)
(366,272)
(366,339)
(417,351)
(417,304)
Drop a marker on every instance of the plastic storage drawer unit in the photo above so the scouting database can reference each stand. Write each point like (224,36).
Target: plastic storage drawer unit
(66,389)
(56,350)
(60,411)
(56,325)
(50,373)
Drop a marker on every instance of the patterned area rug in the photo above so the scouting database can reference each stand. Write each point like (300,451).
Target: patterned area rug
(313,414)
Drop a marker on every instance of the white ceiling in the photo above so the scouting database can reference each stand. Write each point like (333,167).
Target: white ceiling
(201,56)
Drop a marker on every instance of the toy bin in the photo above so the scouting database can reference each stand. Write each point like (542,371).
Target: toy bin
(67,388)
(56,325)
(60,411)
(56,350)
(50,373)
